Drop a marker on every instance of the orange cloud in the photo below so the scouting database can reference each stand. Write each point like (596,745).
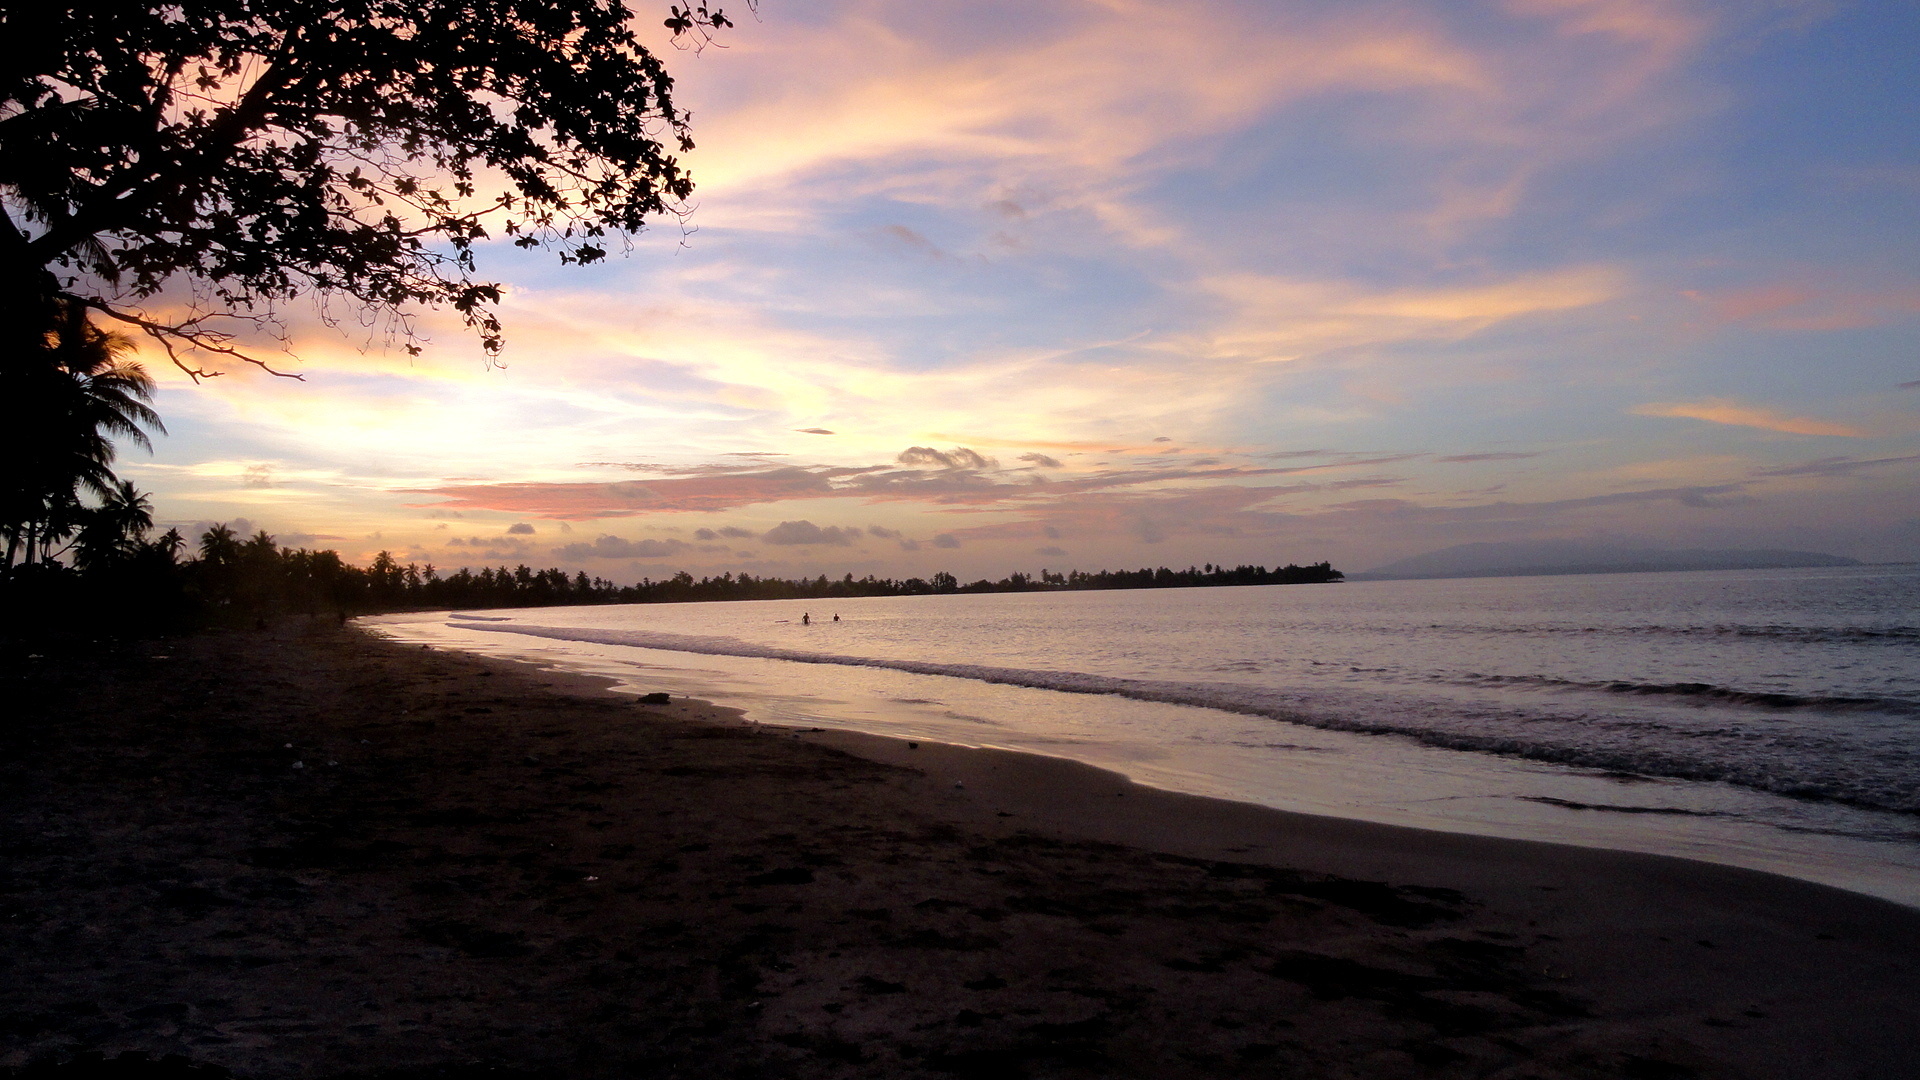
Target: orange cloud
(1722,411)
(1282,319)
(1558,290)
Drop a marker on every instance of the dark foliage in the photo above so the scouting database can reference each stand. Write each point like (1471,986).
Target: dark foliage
(65,395)
(409,587)
(1163,578)
(257,150)
(235,580)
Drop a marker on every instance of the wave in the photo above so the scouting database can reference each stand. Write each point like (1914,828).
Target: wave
(1569,804)
(1822,633)
(1799,764)
(1707,692)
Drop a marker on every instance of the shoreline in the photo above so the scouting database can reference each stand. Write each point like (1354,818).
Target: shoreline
(1208,826)
(520,868)
(1334,773)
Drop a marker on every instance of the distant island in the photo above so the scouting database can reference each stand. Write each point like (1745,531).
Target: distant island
(1518,558)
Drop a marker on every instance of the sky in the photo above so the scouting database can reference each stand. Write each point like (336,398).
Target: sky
(986,287)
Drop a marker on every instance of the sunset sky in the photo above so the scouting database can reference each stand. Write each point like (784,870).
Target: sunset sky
(990,287)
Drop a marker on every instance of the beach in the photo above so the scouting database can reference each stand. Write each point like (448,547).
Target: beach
(305,852)
(1763,719)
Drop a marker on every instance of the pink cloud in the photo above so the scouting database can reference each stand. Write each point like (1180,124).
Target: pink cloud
(1791,306)
(966,480)
(589,501)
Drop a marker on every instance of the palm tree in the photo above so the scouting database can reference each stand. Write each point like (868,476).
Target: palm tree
(217,573)
(219,546)
(63,401)
(115,529)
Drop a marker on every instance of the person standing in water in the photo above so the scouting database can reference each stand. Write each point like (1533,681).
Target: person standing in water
(836,616)
(806,619)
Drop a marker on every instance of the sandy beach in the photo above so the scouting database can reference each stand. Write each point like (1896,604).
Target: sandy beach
(308,853)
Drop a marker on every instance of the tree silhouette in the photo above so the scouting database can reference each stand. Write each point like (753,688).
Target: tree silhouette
(64,398)
(116,529)
(219,547)
(244,152)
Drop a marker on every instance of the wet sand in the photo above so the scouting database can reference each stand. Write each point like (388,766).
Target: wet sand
(477,863)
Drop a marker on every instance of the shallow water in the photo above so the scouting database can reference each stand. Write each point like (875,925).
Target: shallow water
(1758,718)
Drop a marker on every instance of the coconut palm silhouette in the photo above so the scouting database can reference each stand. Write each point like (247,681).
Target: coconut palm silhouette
(62,405)
(114,530)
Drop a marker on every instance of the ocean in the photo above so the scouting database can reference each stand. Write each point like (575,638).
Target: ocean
(1764,718)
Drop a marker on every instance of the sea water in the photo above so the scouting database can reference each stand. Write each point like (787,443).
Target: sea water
(1768,719)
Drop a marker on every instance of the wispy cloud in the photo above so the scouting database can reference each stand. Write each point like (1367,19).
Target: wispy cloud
(1276,319)
(959,477)
(1723,411)
(1838,466)
(588,501)
(1808,307)
(1493,456)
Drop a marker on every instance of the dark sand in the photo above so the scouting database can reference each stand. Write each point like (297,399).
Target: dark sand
(510,868)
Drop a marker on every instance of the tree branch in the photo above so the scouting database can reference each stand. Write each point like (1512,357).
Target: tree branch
(191,333)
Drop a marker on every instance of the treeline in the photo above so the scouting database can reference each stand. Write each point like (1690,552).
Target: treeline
(228,579)
(522,587)
(1311,574)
